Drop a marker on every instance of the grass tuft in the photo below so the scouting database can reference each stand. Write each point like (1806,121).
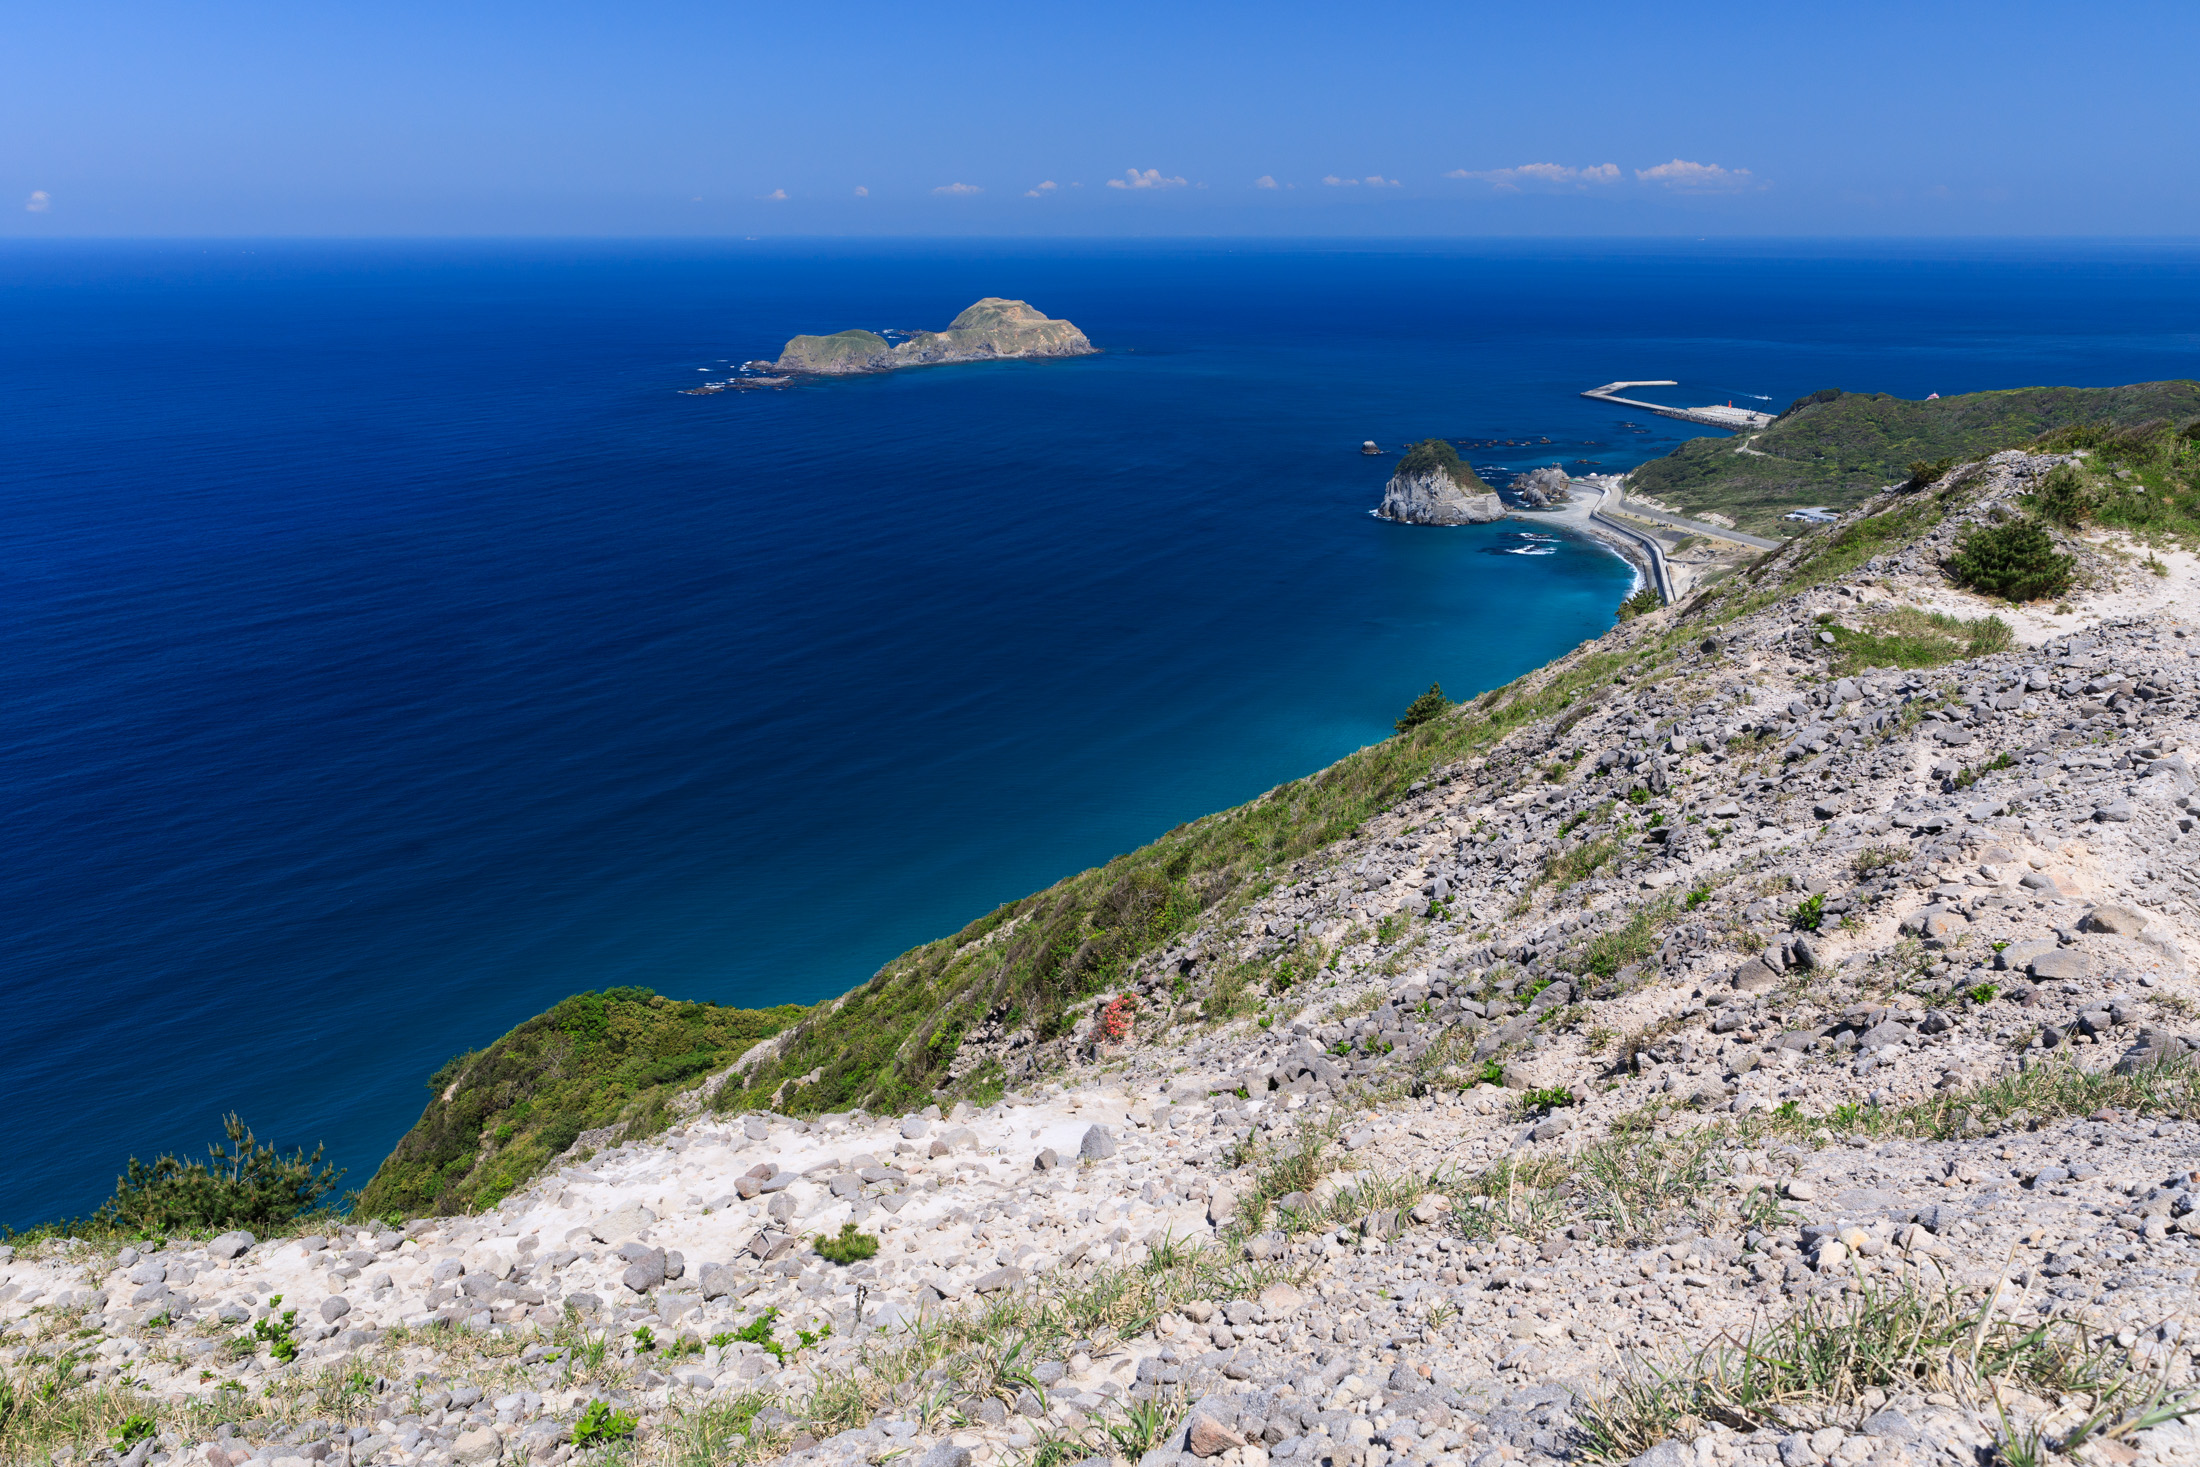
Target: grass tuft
(1814,1367)
(1904,636)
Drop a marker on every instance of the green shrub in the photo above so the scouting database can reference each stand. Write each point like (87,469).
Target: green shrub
(1811,913)
(1641,603)
(243,1184)
(850,1247)
(758,1332)
(1967,777)
(2016,561)
(1927,471)
(1429,705)
(275,1331)
(2064,498)
(559,1133)
(1546,1100)
(600,1424)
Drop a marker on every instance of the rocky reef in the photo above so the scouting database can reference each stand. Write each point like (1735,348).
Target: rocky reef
(1544,488)
(991,330)
(1434,487)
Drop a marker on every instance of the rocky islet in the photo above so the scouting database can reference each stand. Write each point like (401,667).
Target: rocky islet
(1432,486)
(994,329)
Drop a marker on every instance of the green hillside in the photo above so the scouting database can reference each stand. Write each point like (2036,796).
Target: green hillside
(498,1115)
(1835,448)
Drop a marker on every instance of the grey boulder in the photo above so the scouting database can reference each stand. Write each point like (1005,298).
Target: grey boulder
(229,1245)
(2121,921)
(2061,965)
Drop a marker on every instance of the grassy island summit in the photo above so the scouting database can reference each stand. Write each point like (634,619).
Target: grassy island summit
(991,330)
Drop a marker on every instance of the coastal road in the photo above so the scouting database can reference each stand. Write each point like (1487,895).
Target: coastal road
(1588,516)
(1661,575)
(1694,527)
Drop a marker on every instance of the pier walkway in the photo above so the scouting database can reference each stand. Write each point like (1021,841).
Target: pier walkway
(1733,418)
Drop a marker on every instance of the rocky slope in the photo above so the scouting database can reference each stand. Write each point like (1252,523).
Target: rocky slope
(988,331)
(1433,487)
(1708,985)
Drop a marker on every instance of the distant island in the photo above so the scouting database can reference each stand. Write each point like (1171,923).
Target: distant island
(991,330)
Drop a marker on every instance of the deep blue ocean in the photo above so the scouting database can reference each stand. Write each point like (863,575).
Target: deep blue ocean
(390,649)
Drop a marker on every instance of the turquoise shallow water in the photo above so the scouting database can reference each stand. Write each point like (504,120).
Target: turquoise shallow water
(392,650)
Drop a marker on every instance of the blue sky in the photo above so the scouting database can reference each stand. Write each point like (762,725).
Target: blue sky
(671,118)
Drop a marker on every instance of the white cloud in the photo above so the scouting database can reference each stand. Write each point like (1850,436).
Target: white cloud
(1151,178)
(1698,177)
(1042,190)
(1552,175)
(862,192)
(1376,180)
(959,189)
(39,202)
(1335,182)
(1265,181)
(776,196)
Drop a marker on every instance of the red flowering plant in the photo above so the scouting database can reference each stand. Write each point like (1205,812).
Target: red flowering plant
(1115,1020)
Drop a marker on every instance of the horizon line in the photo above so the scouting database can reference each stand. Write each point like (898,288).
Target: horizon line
(738,237)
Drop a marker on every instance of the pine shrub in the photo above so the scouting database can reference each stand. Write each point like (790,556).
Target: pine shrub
(2064,498)
(1926,471)
(850,1247)
(244,1184)
(1423,708)
(2016,561)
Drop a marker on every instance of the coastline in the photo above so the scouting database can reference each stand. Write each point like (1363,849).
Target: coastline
(1576,517)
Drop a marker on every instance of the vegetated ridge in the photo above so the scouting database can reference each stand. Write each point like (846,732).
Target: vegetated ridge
(1762,1037)
(1836,448)
(991,330)
(613,1062)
